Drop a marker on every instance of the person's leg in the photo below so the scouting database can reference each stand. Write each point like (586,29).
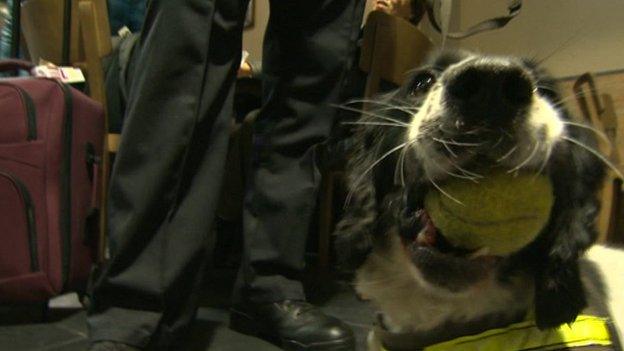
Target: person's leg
(167,174)
(308,49)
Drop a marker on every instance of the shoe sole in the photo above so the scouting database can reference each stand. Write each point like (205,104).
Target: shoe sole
(245,324)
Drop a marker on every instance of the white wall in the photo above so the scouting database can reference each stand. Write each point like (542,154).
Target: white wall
(584,35)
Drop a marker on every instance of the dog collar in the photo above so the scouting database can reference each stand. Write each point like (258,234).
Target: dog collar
(586,331)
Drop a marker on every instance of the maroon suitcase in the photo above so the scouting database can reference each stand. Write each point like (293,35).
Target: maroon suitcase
(51,138)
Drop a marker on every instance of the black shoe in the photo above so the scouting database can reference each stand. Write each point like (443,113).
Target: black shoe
(293,325)
(111,346)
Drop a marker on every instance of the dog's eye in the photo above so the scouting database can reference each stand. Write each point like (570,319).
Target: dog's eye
(548,93)
(421,83)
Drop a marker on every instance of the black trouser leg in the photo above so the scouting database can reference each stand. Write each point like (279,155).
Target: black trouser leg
(167,175)
(308,47)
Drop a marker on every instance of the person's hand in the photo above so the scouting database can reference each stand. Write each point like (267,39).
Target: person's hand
(400,8)
(244,70)
(382,5)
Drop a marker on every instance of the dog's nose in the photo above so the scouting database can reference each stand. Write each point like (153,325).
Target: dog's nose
(490,93)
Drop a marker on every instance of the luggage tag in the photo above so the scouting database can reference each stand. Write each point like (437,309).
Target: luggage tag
(66,74)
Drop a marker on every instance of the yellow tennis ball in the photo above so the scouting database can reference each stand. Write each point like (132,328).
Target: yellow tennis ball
(503,212)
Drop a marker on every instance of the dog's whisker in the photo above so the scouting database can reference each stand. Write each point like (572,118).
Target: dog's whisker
(391,104)
(399,107)
(408,110)
(511,151)
(448,148)
(561,102)
(375,124)
(403,156)
(506,133)
(578,33)
(369,168)
(546,158)
(453,142)
(402,164)
(527,160)
(475,130)
(453,174)
(367,113)
(478,129)
(467,172)
(441,190)
(386,106)
(460,176)
(367,101)
(546,87)
(381,102)
(595,153)
(599,133)
(500,139)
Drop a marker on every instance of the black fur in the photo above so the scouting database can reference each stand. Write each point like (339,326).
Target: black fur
(379,201)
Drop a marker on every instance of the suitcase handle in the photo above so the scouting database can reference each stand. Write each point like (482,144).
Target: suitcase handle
(93,167)
(13,65)
(91,233)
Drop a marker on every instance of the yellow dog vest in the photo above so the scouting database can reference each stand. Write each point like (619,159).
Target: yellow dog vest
(585,331)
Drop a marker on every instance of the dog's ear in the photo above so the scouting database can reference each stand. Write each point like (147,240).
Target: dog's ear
(559,293)
(354,232)
(371,172)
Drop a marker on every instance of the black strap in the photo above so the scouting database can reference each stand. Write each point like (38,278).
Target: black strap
(67,19)
(15,28)
(491,24)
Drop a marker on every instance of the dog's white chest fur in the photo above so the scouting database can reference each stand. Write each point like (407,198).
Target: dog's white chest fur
(410,304)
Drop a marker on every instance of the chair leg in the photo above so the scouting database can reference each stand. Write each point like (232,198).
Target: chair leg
(325,220)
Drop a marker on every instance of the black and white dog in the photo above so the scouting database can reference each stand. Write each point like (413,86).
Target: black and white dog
(459,113)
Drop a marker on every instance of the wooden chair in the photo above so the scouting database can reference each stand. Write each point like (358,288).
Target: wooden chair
(96,43)
(89,43)
(599,112)
(391,46)
(42,28)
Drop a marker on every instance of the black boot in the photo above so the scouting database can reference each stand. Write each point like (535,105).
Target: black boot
(293,325)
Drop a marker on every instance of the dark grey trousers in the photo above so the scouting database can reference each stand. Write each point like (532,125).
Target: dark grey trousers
(308,49)
(167,174)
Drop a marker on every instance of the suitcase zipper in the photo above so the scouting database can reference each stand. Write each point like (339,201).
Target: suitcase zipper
(31,113)
(30,219)
(66,159)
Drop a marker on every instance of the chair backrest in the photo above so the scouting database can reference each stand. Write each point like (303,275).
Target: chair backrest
(391,46)
(96,44)
(599,111)
(42,23)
